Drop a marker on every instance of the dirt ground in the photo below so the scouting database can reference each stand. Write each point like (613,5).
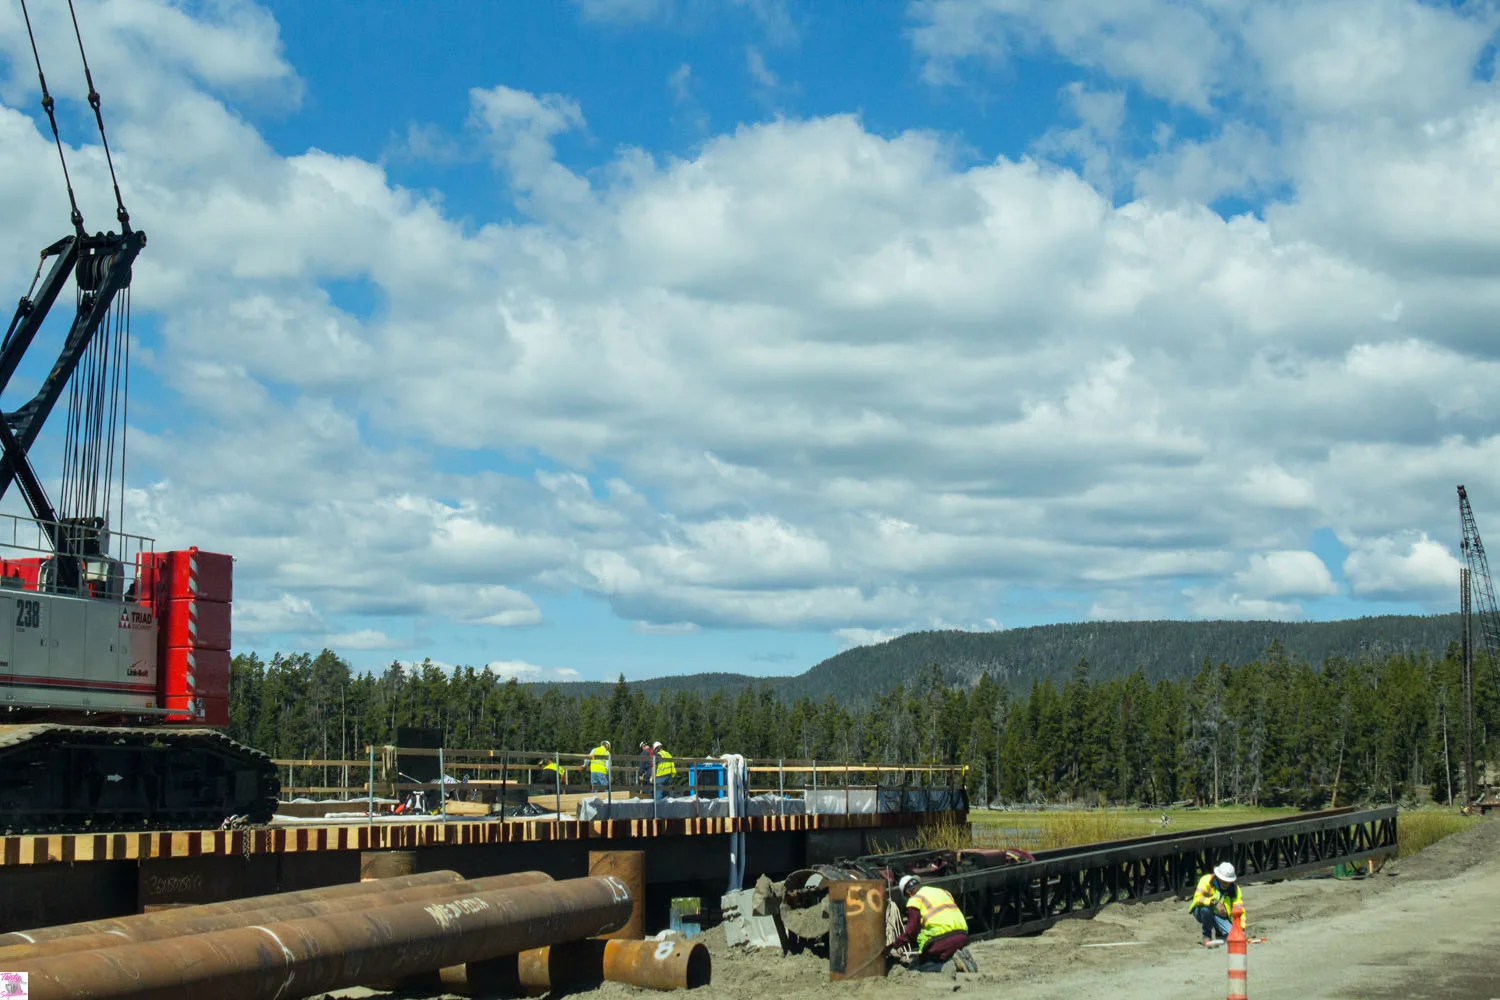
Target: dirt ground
(1422,927)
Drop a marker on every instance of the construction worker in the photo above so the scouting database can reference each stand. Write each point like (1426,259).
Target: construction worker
(647,765)
(1214,901)
(937,926)
(599,765)
(665,769)
(550,771)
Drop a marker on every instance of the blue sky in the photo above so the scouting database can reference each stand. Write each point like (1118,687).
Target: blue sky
(659,336)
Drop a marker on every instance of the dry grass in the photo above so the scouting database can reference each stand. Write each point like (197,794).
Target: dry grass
(1421,828)
(1036,831)
(1040,831)
(930,837)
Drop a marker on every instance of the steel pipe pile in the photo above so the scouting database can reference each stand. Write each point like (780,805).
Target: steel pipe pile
(124,925)
(190,922)
(655,965)
(286,960)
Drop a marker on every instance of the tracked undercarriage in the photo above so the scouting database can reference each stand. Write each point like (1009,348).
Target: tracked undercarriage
(80,778)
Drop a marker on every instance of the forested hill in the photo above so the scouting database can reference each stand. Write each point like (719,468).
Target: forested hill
(1015,657)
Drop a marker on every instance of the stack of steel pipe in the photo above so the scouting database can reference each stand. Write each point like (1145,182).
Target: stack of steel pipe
(123,925)
(281,951)
(159,927)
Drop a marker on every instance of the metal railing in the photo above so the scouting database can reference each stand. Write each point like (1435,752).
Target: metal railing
(112,574)
(504,783)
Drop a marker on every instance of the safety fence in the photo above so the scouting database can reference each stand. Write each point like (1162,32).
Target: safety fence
(1079,881)
(456,783)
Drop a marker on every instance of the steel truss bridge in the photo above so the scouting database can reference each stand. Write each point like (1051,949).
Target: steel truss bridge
(1080,881)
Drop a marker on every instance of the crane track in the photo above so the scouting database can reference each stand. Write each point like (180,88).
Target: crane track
(57,778)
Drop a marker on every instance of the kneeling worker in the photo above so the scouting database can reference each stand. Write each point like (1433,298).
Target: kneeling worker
(937,925)
(1214,901)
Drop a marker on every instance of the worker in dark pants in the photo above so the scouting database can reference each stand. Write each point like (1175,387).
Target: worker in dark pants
(1213,900)
(937,926)
(665,769)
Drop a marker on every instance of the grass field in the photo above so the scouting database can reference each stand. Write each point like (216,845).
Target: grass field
(1039,831)
(1420,828)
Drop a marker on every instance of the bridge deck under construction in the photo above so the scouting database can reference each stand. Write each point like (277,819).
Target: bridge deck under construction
(58,878)
(40,849)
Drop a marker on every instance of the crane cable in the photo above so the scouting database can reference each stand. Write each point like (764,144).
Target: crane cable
(48,105)
(120,212)
(97,390)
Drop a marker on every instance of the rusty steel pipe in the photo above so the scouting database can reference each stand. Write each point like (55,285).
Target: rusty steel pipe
(655,965)
(200,924)
(658,965)
(347,890)
(299,958)
(560,966)
(629,867)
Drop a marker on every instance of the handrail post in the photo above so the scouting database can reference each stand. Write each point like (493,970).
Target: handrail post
(442,786)
(370,789)
(557,782)
(815,786)
(504,780)
(846,788)
(780,787)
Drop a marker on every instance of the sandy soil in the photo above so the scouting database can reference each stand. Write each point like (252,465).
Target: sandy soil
(1422,927)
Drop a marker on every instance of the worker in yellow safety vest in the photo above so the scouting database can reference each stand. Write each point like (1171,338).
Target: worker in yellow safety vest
(1213,902)
(937,926)
(665,769)
(599,765)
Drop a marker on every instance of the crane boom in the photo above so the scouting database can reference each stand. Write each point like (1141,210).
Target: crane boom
(1476,600)
(1480,580)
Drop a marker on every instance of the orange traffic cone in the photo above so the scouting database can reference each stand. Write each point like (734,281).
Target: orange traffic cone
(1236,942)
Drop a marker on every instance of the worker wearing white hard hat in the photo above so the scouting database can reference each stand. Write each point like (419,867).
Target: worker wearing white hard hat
(936,925)
(1214,901)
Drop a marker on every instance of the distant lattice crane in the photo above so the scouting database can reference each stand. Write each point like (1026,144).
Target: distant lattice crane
(1476,599)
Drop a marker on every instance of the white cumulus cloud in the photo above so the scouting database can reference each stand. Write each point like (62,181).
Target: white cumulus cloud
(1409,566)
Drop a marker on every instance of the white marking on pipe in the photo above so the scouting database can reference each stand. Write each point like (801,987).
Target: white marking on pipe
(28,937)
(291,972)
(664,951)
(618,891)
(446,913)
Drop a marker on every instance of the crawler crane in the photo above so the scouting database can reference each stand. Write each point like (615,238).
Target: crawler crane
(114,658)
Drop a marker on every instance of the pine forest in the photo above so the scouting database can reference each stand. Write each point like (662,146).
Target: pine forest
(1275,731)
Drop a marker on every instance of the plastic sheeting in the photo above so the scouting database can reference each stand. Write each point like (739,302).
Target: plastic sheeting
(863,801)
(916,800)
(685,807)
